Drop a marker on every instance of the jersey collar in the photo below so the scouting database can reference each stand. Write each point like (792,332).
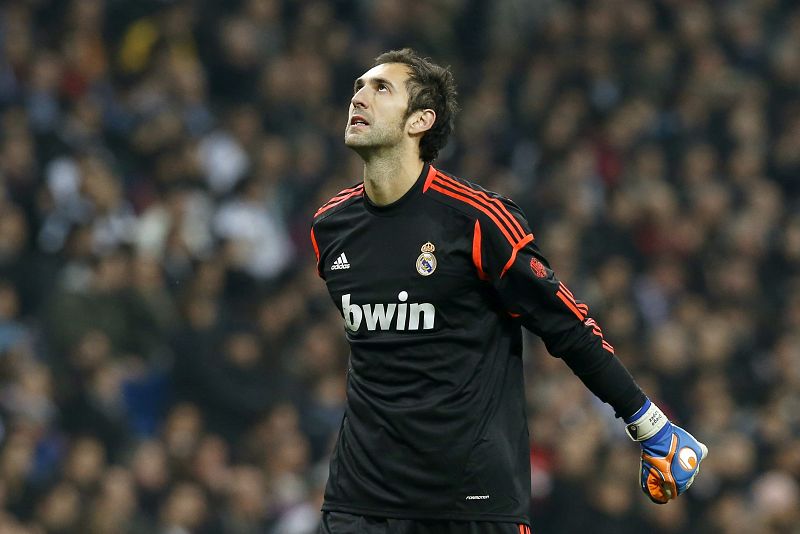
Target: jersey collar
(391,209)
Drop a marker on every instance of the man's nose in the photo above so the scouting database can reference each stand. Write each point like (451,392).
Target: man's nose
(359,100)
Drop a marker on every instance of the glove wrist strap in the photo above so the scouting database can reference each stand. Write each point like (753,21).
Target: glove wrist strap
(647,425)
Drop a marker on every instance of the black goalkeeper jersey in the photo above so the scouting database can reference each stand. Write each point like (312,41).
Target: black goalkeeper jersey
(434,289)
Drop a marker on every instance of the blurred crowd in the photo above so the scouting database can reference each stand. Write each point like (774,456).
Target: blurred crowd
(171,364)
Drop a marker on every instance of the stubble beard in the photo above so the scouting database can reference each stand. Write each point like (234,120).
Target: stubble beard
(375,140)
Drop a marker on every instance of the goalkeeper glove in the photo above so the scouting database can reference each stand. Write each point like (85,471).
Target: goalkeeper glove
(670,456)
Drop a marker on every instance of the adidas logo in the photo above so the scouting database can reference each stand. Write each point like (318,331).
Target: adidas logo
(340,263)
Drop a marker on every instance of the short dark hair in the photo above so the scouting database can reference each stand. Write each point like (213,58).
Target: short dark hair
(430,86)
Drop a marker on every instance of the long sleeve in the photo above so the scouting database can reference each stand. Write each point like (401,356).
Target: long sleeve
(506,256)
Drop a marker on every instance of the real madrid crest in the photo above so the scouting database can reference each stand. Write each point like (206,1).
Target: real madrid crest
(426,262)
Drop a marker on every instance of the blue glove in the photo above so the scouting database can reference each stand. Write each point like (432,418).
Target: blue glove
(670,456)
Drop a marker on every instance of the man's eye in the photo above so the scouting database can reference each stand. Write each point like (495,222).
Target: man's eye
(382,87)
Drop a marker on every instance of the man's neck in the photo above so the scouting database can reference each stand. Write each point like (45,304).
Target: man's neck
(388,179)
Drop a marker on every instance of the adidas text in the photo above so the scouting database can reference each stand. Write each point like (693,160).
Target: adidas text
(340,263)
(394,316)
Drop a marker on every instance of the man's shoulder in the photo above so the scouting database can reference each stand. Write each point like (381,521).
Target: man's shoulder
(477,202)
(462,192)
(445,176)
(339,201)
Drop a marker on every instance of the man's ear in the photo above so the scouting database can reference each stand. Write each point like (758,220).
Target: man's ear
(421,121)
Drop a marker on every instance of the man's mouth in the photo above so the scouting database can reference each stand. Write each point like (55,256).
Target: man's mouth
(358,120)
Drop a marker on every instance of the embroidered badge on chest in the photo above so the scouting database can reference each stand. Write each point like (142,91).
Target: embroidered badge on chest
(426,262)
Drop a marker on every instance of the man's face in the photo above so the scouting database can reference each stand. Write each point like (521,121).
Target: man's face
(377,115)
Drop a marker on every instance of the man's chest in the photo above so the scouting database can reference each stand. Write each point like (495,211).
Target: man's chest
(397,273)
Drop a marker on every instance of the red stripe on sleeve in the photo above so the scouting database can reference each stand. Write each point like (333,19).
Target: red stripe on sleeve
(527,239)
(326,207)
(497,204)
(492,203)
(475,205)
(583,307)
(429,178)
(340,196)
(343,193)
(566,290)
(566,300)
(476,251)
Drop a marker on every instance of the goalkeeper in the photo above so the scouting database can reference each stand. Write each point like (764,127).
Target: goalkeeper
(435,277)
